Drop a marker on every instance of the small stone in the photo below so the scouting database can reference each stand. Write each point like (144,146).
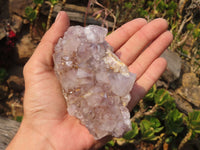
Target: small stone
(17,23)
(16,83)
(190,80)
(96,84)
(173,66)
(18,6)
(190,89)
(8,128)
(25,49)
(191,94)
(182,104)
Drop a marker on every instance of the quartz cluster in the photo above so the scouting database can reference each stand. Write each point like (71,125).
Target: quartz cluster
(96,84)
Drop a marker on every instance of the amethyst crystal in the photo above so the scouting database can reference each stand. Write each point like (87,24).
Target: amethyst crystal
(96,84)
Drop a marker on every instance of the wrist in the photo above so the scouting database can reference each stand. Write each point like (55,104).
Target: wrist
(28,138)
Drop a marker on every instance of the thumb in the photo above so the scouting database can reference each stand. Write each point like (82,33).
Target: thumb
(42,89)
(41,60)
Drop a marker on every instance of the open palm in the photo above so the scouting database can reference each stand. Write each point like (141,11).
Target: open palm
(137,43)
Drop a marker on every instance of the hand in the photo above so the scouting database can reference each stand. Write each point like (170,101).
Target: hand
(139,45)
(46,123)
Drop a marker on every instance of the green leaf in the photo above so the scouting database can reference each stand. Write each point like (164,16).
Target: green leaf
(157,130)
(149,127)
(154,122)
(190,26)
(172,5)
(161,96)
(168,140)
(54,2)
(145,125)
(30,13)
(111,143)
(132,133)
(106,147)
(43,25)
(195,115)
(197,131)
(174,122)
(128,5)
(170,13)
(150,3)
(169,105)
(150,95)
(3,74)
(38,1)
(142,126)
(196,33)
(19,118)
(175,131)
(154,138)
(143,13)
(161,6)
(193,120)
(195,123)
(149,135)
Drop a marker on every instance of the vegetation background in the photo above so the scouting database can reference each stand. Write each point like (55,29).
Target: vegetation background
(158,121)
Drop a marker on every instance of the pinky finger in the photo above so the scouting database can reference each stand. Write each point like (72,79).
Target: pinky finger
(146,81)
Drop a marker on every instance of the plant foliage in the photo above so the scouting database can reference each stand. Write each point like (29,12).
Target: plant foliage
(132,133)
(166,124)
(149,127)
(193,121)
(30,14)
(174,122)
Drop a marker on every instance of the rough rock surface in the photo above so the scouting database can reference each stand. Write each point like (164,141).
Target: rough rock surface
(173,69)
(190,89)
(190,80)
(8,130)
(16,83)
(18,6)
(96,84)
(191,94)
(183,105)
(17,22)
(25,49)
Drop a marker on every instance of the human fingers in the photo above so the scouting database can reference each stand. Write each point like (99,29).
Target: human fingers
(146,81)
(152,52)
(141,39)
(122,34)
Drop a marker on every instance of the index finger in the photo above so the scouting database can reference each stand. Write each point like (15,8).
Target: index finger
(122,34)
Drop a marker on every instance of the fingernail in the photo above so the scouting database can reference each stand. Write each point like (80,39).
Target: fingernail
(58,16)
(118,54)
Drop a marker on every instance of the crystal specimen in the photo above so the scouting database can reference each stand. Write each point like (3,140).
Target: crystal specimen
(96,84)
